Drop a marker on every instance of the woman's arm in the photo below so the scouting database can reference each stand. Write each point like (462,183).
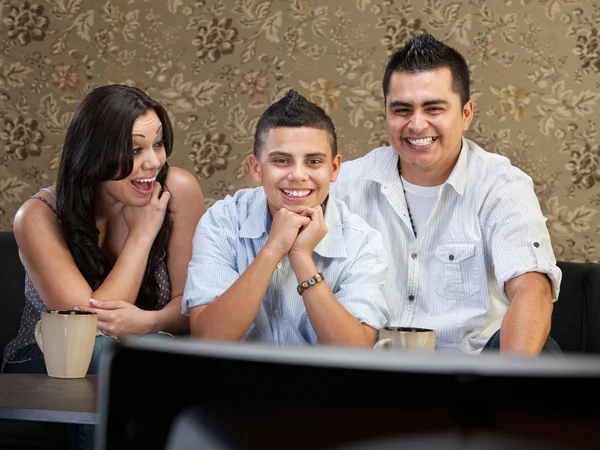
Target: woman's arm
(187,206)
(50,265)
(143,224)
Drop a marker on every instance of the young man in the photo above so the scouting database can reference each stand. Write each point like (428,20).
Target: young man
(286,263)
(471,252)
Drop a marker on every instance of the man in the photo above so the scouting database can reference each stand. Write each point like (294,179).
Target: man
(470,255)
(285,263)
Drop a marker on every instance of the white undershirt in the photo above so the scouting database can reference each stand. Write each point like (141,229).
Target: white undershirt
(421,202)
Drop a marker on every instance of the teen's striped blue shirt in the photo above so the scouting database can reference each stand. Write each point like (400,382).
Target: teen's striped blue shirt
(232,232)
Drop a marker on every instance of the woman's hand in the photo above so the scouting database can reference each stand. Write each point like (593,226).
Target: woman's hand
(118,318)
(147,219)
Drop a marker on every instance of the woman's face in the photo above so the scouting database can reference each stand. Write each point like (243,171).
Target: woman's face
(149,156)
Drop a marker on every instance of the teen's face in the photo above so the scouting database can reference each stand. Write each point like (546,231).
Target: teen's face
(425,122)
(149,156)
(295,167)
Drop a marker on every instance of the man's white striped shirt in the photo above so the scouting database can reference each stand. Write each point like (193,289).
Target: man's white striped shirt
(486,228)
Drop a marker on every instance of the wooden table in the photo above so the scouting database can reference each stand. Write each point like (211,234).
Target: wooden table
(42,398)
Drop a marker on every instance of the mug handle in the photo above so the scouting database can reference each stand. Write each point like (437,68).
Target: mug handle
(384,343)
(38,335)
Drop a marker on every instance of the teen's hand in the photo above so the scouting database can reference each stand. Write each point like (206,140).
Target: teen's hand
(147,220)
(118,318)
(311,235)
(284,230)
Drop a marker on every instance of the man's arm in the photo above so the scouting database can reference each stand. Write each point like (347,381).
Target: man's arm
(526,324)
(524,263)
(332,323)
(230,315)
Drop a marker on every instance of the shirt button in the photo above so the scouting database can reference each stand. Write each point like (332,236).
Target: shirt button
(411,297)
(276,313)
(451,257)
(536,244)
(279,265)
(414,256)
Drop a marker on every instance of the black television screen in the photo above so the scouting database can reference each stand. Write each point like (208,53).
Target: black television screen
(179,394)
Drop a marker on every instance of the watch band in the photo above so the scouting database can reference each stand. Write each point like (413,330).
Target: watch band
(310,282)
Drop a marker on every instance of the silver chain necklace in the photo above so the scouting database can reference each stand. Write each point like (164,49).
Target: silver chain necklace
(412,224)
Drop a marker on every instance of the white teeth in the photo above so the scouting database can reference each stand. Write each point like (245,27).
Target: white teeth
(145,180)
(296,193)
(421,142)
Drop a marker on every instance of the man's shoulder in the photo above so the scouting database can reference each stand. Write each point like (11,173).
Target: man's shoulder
(370,156)
(360,171)
(485,157)
(485,165)
(367,160)
(353,223)
(236,207)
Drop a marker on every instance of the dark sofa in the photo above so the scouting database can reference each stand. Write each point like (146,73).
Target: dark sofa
(576,314)
(575,319)
(12,288)
(16,434)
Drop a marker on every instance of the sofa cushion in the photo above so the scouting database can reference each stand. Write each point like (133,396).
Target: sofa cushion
(576,315)
(12,288)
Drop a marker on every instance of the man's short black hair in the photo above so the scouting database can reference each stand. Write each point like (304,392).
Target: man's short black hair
(423,53)
(293,110)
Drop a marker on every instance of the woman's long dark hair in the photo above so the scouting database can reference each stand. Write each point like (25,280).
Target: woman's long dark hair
(98,147)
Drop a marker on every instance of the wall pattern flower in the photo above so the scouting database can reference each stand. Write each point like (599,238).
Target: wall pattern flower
(217,64)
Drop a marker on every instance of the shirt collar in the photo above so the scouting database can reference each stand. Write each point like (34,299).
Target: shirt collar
(258,223)
(257,220)
(458,178)
(332,245)
(385,170)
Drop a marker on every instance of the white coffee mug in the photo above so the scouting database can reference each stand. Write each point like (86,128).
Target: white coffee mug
(66,338)
(406,338)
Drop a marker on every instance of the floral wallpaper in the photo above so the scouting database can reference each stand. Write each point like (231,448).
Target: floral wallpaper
(217,64)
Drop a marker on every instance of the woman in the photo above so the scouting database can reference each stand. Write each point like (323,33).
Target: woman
(114,235)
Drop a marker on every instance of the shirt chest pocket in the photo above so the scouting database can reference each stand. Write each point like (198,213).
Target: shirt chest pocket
(457,271)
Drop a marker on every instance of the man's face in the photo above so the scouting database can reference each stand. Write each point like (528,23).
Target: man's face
(295,167)
(425,122)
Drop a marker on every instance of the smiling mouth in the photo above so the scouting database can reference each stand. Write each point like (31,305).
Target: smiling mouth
(421,142)
(297,193)
(144,185)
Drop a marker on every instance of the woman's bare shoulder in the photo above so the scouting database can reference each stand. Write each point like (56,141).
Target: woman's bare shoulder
(179,178)
(35,217)
(184,188)
(37,207)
